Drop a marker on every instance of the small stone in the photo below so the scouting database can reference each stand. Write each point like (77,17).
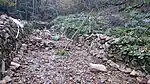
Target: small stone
(1,22)
(16,75)
(105,59)
(110,41)
(101,47)
(3,82)
(46,61)
(16,59)
(24,46)
(143,81)
(7,79)
(103,79)
(108,38)
(110,55)
(116,40)
(98,67)
(56,38)
(128,70)
(102,41)
(139,79)
(111,63)
(20,82)
(37,69)
(124,69)
(103,37)
(134,73)
(140,73)
(38,39)
(10,73)
(15,64)
(107,45)
(47,48)
(3,17)
(13,68)
(38,76)
(148,82)
(148,76)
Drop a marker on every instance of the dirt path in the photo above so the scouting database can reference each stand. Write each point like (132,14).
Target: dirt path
(42,63)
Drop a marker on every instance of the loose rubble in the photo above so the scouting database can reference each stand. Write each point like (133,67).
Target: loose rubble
(83,62)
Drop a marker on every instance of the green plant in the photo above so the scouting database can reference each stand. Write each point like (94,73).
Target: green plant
(134,45)
(70,24)
(61,52)
(146,1)
(7,3)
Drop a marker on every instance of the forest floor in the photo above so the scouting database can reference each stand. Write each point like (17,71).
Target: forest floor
(46,61)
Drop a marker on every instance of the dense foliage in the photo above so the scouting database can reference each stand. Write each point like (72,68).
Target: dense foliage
(134,44)
(84,22)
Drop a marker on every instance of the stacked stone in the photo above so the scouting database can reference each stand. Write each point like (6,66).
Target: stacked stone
(11,35)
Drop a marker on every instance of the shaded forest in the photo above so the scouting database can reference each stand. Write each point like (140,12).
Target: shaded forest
(49,9)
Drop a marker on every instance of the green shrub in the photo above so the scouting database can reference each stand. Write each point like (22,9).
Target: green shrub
(134,45)
(88,23)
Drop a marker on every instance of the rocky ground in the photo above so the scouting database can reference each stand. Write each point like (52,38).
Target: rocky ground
(44,59)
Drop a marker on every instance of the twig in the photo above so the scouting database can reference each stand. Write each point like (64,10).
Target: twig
(17,32)
(78,29)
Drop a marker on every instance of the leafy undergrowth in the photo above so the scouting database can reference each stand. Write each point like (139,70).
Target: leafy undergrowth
(86,22)
(134,46)
(136,18)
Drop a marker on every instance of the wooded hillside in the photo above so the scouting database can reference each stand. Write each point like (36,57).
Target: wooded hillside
(48,9)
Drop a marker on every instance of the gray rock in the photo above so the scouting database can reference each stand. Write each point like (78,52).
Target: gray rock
(124,69)
(16,59)
(37,39)
(103,37)
(105,59)
(141,73)
(128,70)
(139,79)
(148,76)
(110,55)
(7,79)
(135,73)
(98,67)
(1,22)
(107,45)
(15,64)
(24,46)
(148,82)
(3,82)
(108,38)
(111,63)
